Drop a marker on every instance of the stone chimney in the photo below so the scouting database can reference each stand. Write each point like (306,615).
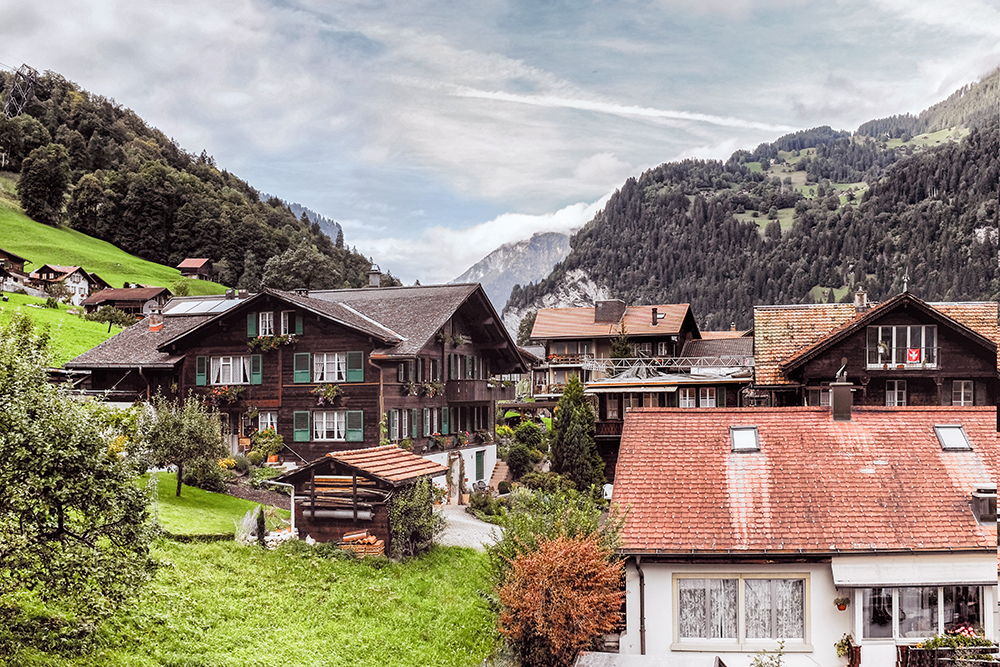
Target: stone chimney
(155,320)
(655,316)
(301,291)
(861,301)
(609,312)
(374,276)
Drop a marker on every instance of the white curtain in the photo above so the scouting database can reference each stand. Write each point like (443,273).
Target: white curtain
(707,608)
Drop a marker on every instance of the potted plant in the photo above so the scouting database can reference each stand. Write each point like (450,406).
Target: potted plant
(409,388)
(844,645)
(842,603)
(326,394)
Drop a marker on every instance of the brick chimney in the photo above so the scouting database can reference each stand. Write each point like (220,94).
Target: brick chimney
(155,320)
(609,312)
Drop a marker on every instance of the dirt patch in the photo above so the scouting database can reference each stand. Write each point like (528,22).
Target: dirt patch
(240,489)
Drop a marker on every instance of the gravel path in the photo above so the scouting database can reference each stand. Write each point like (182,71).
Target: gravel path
(465,530)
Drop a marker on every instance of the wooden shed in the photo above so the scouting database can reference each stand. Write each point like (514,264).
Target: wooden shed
(350,491)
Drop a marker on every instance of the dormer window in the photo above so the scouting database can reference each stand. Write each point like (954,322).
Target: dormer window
(744,439)
(902,346)
(952,438)
(984,502)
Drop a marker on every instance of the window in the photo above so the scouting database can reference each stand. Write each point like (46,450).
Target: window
(329,425)
(612,407)
(686,397)
(650,400)
(952,437)
(712,609)
(912,612)
(961,392)
(329,367)
(644,349)
(236,370)
(902,345)
(266,324)
(706,397)
(744,439)
(266,420)
(663,349)
(290,323)
(435,370)
(819,397)
(895,393)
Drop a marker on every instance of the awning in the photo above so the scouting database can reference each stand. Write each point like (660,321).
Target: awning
(632,389)
(926,570)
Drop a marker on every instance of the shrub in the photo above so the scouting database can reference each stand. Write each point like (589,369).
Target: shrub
(560,599)
(260,475)
(519,460)
(111,314)
(51,302)
(530,434)
(548,482)
(255,457)
(242,464)
(413,522)
(205,474)
(485,503)
(503,487)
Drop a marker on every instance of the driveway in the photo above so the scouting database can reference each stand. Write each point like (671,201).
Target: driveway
(465,530)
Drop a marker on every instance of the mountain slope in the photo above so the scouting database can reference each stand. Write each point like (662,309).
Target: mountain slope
(725,237)
(517,263)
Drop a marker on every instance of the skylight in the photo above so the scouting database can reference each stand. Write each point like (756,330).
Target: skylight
(952,437)
(744,439)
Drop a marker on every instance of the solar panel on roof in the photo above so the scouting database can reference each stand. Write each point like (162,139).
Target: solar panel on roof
(179,307)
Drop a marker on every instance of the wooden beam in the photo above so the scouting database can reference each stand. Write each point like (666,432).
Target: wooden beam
(354,494)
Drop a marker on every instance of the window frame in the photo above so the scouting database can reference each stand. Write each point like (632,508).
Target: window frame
(707,397)
(895,393)
(267,419)
(895,635)
(741,642)
(265,326)
(963,386)
(687,397)
(322,362)
(247,375)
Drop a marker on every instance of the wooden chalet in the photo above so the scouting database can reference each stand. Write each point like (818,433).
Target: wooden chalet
(78,281)
(137,301)
(325,368)
(902,352)
(12,268)
(346,492)
(197,268)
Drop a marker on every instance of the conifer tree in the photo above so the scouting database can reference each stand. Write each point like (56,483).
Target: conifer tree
(574,451)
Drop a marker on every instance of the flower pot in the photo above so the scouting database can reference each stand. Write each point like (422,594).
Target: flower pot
(273,458)
(841,607)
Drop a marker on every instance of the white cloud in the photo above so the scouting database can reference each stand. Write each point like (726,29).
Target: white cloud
(440,254)
(966,17)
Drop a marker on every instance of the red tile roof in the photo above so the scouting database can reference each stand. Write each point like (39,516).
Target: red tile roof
(193,263)
(389,463)
(579,322)
(878,482)
(781,331)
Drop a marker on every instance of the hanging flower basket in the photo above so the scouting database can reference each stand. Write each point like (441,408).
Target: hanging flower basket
(268,343)
(326,394)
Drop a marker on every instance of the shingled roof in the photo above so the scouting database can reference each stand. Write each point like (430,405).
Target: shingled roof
(388,464)
(137,346)
(878,482)
(579,322)
(138,294)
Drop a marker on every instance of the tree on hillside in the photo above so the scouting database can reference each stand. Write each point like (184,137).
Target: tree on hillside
(524,329)
(185,433)
(75,527)
(302,266)
(621,347)
(573,448)
(560,599)
(43,184)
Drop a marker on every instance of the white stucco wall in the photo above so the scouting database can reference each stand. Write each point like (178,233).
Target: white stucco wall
(469,455)
(825,624)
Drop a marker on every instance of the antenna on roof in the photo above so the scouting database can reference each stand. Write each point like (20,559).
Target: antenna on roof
(906,280)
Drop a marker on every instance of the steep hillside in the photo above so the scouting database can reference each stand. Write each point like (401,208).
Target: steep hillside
(814,213)
(517,263)
(132,186)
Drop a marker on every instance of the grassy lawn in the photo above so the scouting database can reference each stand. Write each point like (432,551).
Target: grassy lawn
(225,605)
(931,139)
(838,293)
(71,334)
(785,219)
(42,244)
(197,512)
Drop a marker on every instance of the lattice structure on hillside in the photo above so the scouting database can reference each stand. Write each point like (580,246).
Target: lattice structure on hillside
(21,91)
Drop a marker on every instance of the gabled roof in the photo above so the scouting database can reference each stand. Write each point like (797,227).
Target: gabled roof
(388,464)
(579,322)
(137,346)
(194,263)
(9,255)
(781,331)
(719,347)
(880,482)
(139,294)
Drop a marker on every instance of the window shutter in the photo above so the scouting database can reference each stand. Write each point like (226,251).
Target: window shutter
(355,426)
(399,372)
(256,369)
(427,421)
(251,325)
(298,324)
(201,371)
(301,426)
(393,425)
(480,465)
(414,430)
(300,367)
(444,421)
(355,367)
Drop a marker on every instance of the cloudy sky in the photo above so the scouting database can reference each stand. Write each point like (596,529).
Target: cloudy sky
(434,131)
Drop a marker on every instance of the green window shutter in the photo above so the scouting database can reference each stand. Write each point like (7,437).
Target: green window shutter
(444,421)
(413,423)
(300,426)
(355,367)
(480,465)
(399,373)
(301,367)
(392,424)
(256,369)
(201,371)
(355,426)
(298,324)
(251,325)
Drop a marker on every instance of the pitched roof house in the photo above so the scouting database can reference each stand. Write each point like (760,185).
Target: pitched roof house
(744,526)
(13,266)
(903,351)
(139,301)
(78,281)
(325,368)
(196,268)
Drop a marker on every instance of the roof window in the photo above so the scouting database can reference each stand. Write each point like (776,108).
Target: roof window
(952,437)
(744,439)
(984,502)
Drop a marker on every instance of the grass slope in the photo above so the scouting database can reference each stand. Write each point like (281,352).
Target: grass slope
(71,335)
(42,244)
(197,512)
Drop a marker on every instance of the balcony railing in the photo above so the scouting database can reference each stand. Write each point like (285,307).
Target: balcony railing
(906,357)
(568,359)
(608,428)
(612,367)
(474,391)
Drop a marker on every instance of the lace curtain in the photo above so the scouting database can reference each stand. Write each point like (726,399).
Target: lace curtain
(774,608)
(707,608)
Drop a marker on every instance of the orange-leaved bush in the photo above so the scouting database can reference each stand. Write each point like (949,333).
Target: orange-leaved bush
(559,600)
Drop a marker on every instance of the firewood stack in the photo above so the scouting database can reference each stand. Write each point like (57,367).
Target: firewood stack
(363,544)
(337,492)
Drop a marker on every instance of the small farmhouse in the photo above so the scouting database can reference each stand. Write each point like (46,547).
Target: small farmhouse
(751,526)
(197,268)
(75,279)
(137,301)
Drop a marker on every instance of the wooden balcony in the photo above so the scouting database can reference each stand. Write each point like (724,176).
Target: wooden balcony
(477,391)
(608,429)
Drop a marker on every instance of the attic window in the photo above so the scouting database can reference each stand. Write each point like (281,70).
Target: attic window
(744,439)
(984,502)
(952,438)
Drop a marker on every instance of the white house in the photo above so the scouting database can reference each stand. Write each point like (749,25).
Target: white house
(745,526)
